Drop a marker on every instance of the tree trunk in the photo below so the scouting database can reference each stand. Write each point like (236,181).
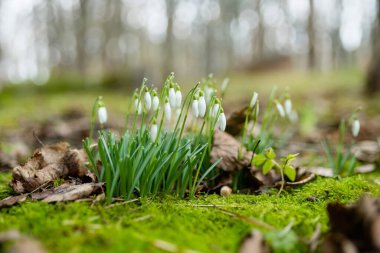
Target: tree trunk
(373,77)
(311,34)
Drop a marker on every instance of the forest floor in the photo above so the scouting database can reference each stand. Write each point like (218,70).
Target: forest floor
(208,223)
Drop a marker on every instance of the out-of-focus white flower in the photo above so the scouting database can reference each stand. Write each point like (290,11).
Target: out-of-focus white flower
(293,116)
(177,112)
(208,93)
(155,102)
(178,97)
(172,97)
(225,85)
(148,100)
(355,127)
(280,109)
(194,106)
(253,100)
(153,131)
(201,105)
(138,106)
(215,110)
(102,114)
(168,110)
(288,106)
(222,121)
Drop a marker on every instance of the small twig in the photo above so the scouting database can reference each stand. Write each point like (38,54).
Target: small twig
(38,139)
(122,203)
(170,247)
(40,187)
(145,217)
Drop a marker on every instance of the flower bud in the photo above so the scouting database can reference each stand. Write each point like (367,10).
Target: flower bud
(153,131)
(138,106)
(194,106)
(202,105)
(172,97)
(178,97)
(168,110)
(253,100)
(102,114)
(355,127)
(148,99)
(215,110)
(222,121)
(155,102)
(288,106)
(280,109)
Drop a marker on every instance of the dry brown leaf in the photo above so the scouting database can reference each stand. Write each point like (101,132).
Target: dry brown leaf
(12,200)
(254,243)
(361,233)
(227,147)
(321,171)
(235,121)
(367,168)
(20,243)
(367,151)
(73,192)
(7,162)
(47,164)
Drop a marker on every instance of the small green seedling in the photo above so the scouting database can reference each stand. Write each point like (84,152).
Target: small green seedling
(267,162)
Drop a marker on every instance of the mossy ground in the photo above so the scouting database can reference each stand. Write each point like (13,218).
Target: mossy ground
(133,227)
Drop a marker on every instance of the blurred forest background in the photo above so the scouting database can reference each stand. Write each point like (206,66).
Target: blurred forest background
(121,41)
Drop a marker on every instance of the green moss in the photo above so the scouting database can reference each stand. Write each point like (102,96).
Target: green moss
(80,227)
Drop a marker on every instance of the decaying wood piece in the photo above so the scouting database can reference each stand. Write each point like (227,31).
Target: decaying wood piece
(12,200)
(227,147)
(47,164)
(235,121)
(20,243)
(254,243)
(354,228)
(73,192)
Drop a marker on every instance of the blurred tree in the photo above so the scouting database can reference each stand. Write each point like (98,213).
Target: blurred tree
(312,36)
(373,77)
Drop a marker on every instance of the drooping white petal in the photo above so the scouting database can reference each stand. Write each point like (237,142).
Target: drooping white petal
(102,114)
(222,122)
(168,111)
(194,106)
(280,109)
(148,100)
(202,106)
(172,97)
(155,103)
(288,106)
(178,98)
(253,100)
(293,116)
(215,110)
(208,93)
(153,132)
(355,128)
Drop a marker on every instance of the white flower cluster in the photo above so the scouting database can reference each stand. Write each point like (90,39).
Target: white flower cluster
(286,110)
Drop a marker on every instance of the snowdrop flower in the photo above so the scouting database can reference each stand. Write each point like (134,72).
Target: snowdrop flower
(208,93)
(153,131)
(215,109)
(280,109)
(288,106)
(148,99)
(195,107)
(225,85)
(172,96)
(222,121)
(178,97)
(167,110)
(201,105)
(177,113)
(355,127)
(138,106)
(293,116)
(155,101)
(102,112)
(253,100)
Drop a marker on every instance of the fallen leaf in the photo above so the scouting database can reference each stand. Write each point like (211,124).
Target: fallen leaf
(235,121)
(12,200)
(227,147)
(47,164)
(367,168)
(321,171)
(367,151)
(254,243)
(73,192)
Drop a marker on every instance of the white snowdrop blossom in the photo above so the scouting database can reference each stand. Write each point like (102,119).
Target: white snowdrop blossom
(148,100)
(280,109)
(355,127)
(172,97)
(102,114)
(195,108)
(222,121)
(177,113)
(288,106)
(178,97)
(167,110)
(225,85)
(208,94)
(215,110)
(138,106)
(202,105)
(153,131)
(293,116)
(155,102)
(253,100)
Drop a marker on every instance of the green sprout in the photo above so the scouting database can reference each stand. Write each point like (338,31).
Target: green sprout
(267,162)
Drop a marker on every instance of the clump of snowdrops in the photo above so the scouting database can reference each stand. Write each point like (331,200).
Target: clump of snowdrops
(155,154)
